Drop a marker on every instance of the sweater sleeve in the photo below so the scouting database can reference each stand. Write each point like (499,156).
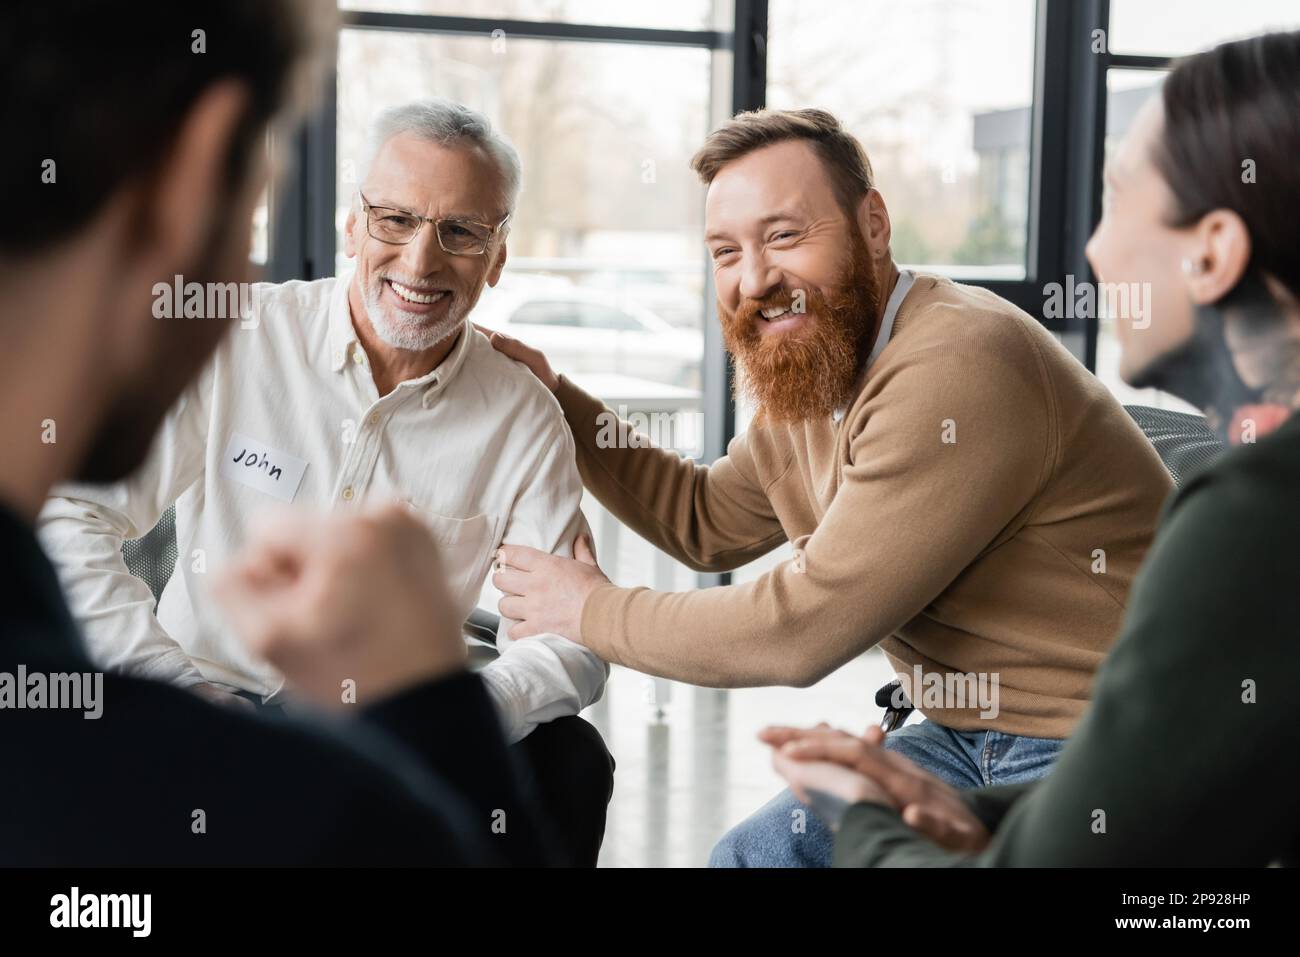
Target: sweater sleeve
(941,463)
(708,517)
(873,835)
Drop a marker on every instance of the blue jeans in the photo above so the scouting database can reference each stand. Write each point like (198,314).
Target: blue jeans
(784,833)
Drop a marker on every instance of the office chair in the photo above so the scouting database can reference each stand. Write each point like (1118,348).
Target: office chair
(152,557)
(1183,441)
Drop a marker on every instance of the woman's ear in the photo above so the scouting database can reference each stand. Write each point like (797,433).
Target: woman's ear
(1221,257)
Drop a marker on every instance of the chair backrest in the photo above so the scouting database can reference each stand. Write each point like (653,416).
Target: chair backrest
(1183,441)
(152,558)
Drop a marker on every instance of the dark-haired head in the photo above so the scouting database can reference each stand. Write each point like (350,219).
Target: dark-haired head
(1202,204)
(134,153)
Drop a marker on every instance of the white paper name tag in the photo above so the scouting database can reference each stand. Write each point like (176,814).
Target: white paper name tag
(261,467)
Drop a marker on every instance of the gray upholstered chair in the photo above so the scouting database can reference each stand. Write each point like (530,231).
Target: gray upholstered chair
(1184,442)
(152,557)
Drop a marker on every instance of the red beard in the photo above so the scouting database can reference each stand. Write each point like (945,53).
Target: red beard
(810,371)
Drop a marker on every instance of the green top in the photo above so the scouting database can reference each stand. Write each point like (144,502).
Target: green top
(1188,754)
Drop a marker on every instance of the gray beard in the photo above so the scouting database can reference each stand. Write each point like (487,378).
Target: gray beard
(401,333)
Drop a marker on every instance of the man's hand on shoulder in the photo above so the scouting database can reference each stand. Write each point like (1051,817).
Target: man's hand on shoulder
(534,359)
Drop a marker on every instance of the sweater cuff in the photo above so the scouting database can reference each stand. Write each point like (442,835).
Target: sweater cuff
(866,831)
(600,613)
(991,804)
(874,835)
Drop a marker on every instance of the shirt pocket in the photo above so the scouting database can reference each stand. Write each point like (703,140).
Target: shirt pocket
(466,546)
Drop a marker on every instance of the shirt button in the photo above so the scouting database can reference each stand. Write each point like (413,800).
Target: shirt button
(347,494)
(358,357)
(374,418)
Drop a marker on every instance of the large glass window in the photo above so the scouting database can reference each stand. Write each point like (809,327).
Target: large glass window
(940,95)
(1174,29)
(606,270)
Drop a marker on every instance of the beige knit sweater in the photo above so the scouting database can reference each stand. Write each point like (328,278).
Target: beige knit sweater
(981,509)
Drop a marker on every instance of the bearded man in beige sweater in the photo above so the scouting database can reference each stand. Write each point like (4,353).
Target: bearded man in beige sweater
(958,489)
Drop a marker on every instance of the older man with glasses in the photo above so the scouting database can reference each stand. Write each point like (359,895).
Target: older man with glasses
(373,385)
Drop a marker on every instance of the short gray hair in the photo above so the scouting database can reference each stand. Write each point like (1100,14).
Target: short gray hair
(448,123)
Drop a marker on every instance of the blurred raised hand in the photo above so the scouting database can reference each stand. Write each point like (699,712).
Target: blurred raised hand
(344,596)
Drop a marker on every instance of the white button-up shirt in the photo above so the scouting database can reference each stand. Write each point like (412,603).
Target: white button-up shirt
(478,448)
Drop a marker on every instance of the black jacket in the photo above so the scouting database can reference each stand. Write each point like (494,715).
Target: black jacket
(164,778)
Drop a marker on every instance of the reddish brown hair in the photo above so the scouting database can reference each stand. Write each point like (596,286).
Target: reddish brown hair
(841,154)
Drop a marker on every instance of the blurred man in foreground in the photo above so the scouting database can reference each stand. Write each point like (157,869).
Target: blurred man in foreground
(130,162)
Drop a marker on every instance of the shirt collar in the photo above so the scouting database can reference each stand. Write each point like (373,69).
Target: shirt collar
(344,345)
(439,378)
(905,279)
(342,335)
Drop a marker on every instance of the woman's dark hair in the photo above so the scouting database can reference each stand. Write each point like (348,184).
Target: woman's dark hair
(1232,141)
(100,88)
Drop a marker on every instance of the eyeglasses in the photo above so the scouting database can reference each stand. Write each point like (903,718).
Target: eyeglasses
(459,237)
